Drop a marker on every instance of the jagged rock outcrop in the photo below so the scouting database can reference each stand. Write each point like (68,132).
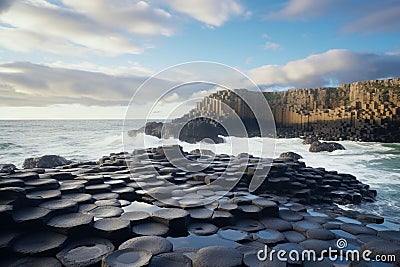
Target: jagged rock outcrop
(318,146)
(46,161)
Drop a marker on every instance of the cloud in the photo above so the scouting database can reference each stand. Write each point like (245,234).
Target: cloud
(210,12)
(383,19)
(375,16)
(27,84)
(82,27)
(272,46)
(300,9)
(343,66)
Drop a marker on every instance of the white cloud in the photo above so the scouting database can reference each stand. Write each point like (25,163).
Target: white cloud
(210,12)
(318,70)
(272,46)
(82,27)
(27,84)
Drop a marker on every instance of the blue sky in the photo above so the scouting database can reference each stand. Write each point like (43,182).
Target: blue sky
(85,59)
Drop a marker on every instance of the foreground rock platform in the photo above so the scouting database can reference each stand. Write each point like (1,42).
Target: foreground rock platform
(140,209)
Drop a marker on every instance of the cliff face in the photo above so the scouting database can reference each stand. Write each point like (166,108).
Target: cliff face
(362,111)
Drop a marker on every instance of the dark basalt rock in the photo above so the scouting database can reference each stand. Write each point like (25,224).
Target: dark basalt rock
(310,139)
(290,156)
(113,228)
(71,223)
(290,216)
(171,259)
(136,217)
(383,248)
(294,237)
(39,243)
(41,196)
(150,229)
(200,214)
(305,225)
(202,229)
(321,234)
(153,244)
(270,237)
(60,205)
(78,197)
(216,256)
(31,216)
(106,212)
(318,146)
(176,219)
(276,224)
(85,252)
(47,161)
(356,229)
(127,257)
(36,262)
(8,168)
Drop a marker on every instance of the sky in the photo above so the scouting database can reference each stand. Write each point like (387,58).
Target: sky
(74,59)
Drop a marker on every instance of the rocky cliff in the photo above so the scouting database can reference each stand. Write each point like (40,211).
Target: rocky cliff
(361,111)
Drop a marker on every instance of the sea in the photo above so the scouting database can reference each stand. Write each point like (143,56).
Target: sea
(376,164)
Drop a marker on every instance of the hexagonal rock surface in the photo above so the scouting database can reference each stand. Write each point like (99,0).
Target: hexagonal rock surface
(150,229)
(270,236)
(357,229)
(393,236)
(383,248)
(85,252)
(294,237)
(217,256)
(321,234)
(113,228)
(106,212)
(316,245)
(202,229)
(153,244)
(290,216)
(200,214)
(70,222)
(78,197)
(305,225)
(38,197)
(276,224)
(60,205)
(136,217)
(36,262)
(41,243)
(171,259)
(176,219)
(127,257)
(31,215)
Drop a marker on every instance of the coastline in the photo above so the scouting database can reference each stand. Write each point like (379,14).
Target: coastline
(241,220)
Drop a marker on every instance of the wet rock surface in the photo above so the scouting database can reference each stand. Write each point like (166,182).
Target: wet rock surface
(154,213)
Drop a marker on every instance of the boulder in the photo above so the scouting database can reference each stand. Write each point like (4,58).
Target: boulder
(318,146)
(290,155)
(310,139)
(8,168)
(46,161)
